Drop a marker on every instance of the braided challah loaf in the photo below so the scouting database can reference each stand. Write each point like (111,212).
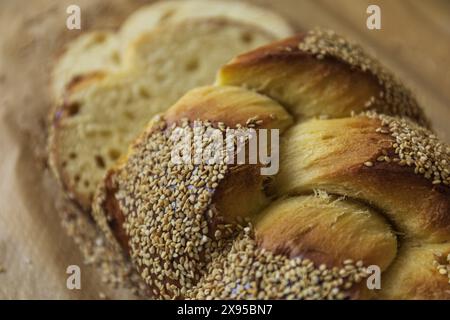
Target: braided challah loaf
(360,183)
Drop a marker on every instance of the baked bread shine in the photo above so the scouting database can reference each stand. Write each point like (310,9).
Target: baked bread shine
(103,112)
(362,182)
(321,74)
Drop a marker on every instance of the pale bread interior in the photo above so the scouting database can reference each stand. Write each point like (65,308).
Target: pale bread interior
(90,52)
(174,11)
(103,51)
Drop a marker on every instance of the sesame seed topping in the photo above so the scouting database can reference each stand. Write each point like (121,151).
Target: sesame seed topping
(97,251)
(184,249)
(368,164)
(245,271)
(416,147)
(173,231)
(442,264)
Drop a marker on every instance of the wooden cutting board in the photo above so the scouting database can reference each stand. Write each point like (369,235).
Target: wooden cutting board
(34,249)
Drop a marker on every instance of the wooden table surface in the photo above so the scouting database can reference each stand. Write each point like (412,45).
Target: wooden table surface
(413,42)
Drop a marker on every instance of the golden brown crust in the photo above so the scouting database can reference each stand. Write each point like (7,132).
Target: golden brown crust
(317,74)
(345,163)
(326,229)
(282,49)
(414,275)
(218,104)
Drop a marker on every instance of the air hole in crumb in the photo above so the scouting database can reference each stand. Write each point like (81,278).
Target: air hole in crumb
(246,37)
(192,65)
(327,137)
(86,183)
(73,109)
(77,178)
(144,93)
(129,115)
(160,77)
(100,162)
(267,187)
(115,57)
(64,164)
(99,38)
(114,154)
(72,155)
(167,15)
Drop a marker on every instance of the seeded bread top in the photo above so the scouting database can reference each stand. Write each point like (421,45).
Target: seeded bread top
(416,147)
(182,239)
(181,243)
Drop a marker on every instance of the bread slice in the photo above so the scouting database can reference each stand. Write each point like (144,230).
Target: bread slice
(104,51)
(102,113)
(90,52)
(174,11)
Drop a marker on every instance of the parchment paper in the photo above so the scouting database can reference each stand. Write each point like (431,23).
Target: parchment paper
(34,248)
